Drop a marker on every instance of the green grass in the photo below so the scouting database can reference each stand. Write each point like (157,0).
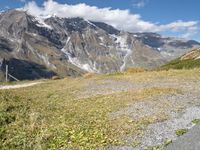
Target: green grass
(159,147)
(196,121)
(181,132)
(182,64)
(187,61)
(135,144)
(167,142)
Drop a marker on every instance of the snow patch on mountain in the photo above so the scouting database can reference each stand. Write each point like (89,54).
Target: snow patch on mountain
(122,46)
(45,59)
(75,61)
(159,49)
(90,23)
(102,43)
(166,54)
(41,22)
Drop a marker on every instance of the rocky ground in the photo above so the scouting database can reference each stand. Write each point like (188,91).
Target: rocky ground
(190,141)
(180,108)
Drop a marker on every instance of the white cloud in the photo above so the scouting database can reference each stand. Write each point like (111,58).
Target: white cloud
(139,3)
(121,19)
(190,33)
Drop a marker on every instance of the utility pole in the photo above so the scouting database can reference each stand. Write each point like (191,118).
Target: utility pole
(6,73)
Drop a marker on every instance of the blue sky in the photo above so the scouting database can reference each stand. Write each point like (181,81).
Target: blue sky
(170,17)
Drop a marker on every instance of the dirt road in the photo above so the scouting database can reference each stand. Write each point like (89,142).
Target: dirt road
(4,87)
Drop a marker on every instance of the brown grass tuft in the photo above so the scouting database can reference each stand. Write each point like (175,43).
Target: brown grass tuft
(135,70)
(55,78)
(88,75)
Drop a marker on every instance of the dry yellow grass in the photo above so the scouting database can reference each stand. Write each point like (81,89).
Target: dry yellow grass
(89,75)
(135,70)
(184,74)
(51,116)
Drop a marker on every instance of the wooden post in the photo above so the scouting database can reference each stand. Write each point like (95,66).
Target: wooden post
(6,73)
(13,77)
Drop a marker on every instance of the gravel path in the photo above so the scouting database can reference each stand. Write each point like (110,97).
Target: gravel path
(5,87)
(159,132)
(105,87)
(109,86)
(189,141)
(181,108)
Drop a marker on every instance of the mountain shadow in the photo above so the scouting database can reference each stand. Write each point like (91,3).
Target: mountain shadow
(25,70)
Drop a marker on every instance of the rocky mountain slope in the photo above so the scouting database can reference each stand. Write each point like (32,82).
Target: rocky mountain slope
(42,47)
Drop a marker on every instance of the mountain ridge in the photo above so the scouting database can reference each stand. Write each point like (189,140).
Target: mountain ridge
(74,46)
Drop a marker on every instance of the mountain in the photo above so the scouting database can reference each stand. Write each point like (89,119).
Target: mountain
(189,60)
(41,47)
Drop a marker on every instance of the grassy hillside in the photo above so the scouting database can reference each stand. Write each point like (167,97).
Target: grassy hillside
(182,64)
(75,113)
(188,61)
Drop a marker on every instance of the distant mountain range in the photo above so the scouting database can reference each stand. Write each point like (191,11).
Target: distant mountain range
(36,47)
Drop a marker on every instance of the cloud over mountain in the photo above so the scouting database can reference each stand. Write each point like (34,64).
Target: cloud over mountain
(121,19)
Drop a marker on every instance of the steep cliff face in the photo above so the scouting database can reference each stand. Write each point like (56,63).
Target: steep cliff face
(73,46)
